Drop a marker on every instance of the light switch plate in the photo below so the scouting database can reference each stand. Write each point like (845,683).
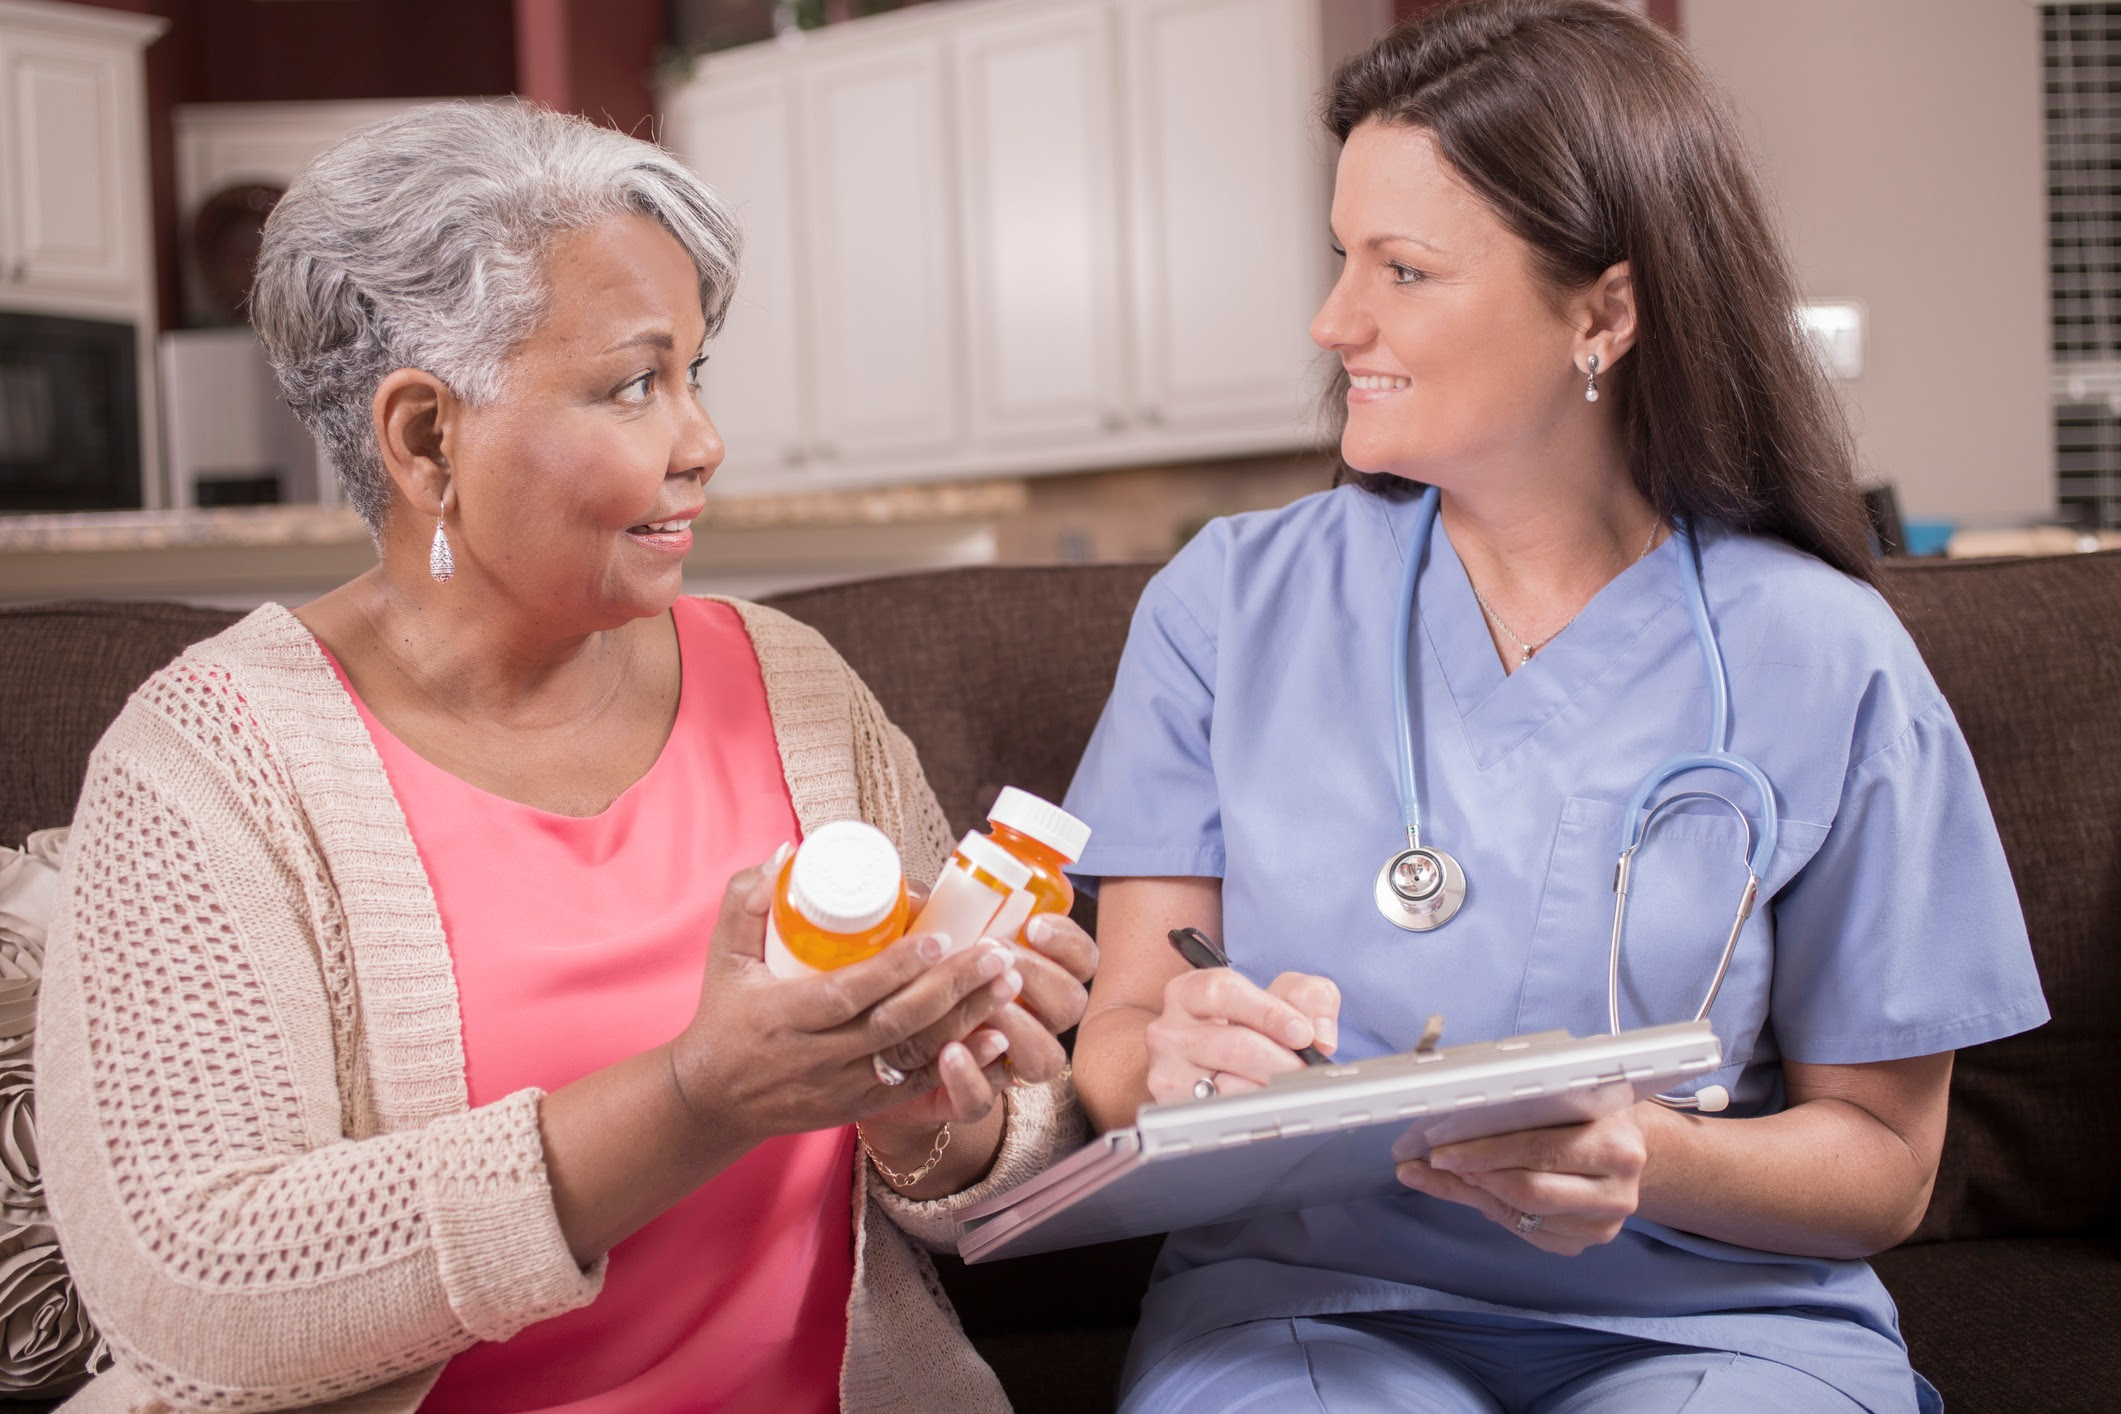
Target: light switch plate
(1836,329)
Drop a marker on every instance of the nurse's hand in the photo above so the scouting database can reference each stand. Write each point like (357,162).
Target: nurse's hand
(1582,1180)
(1218,1024)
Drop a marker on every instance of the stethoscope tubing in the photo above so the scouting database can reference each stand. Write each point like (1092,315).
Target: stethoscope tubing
(1417,549)
(1715,757)
(1638,815)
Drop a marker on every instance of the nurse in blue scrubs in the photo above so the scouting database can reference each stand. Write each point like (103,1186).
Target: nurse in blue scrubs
(1561,307)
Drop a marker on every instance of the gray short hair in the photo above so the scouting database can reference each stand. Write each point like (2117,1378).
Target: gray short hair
(415,242)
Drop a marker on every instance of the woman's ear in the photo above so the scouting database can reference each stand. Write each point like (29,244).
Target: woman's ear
(1605,318)
(413,411)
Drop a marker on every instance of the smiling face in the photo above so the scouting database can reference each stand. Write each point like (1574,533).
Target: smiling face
(574,491)
(1462,367)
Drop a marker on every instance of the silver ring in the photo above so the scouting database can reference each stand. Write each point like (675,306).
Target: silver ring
(886,1072)
(1204,1088)
(1528,1223)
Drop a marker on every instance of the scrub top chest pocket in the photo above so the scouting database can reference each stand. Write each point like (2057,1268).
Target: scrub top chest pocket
(1684,888)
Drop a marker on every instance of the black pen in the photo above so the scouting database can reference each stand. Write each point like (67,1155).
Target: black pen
(1199,950)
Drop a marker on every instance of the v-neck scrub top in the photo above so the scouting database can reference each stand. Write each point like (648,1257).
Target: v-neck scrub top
(1250,737)
(578,942)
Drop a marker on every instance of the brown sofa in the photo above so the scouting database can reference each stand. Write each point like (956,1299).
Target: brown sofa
(2010,1294)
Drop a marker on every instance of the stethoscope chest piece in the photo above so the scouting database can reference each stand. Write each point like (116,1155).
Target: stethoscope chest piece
(1420,888)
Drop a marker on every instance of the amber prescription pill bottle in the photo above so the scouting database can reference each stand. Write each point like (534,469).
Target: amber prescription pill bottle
(841,897)
(980,881)
(1045,837)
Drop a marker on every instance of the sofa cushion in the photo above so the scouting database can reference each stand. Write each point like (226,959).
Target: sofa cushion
(2029,654)
(998,675)
(1059,1372)
(65,671)
(2005,1325)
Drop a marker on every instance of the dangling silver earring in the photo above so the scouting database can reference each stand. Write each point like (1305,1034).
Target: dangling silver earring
(1590,389)
(440,563)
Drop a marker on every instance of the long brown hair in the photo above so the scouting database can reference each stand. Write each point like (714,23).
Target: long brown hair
(1596,139)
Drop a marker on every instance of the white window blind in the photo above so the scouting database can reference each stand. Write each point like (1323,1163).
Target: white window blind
(2081,66)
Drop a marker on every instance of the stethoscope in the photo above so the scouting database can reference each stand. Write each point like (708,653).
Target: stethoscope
(1421,887)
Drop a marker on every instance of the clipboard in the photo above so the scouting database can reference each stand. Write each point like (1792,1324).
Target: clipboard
(1326,1135)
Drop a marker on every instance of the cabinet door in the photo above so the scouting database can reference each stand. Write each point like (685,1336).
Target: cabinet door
(882,249)
(1041,220)
(68,167)
(1229,209)
(739,137)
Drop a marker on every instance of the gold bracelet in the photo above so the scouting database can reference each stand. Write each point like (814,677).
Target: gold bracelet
(906,1180)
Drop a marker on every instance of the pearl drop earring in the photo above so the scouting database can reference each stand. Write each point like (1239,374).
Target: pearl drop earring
(1590,390)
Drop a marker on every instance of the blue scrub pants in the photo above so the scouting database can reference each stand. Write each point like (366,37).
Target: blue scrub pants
(1398,1364)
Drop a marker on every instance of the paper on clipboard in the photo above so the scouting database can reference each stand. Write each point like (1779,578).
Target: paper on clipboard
(1328,1135)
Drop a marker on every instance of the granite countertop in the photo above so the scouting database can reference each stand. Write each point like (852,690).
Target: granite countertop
(277,526)
(2033,540)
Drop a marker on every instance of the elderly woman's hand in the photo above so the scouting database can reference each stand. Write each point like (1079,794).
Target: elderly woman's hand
(1582,1181)
(766,1056)
(1019,1043)
(1056,960)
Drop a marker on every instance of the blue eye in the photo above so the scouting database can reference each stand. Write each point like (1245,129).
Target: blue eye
(692,372)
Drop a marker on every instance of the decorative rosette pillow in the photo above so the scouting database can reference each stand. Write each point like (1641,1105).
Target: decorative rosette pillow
(46,1341)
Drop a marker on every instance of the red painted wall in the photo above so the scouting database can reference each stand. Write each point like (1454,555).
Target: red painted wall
(597,56)
(592,57)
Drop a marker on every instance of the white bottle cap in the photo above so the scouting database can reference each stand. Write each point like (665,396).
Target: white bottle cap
(991,859)
(1044,821)
(846,877)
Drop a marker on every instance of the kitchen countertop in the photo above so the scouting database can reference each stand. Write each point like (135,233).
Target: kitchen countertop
(235,527)
(2033,540)
(239,556)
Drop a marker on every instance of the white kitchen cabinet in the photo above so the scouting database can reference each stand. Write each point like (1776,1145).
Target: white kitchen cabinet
(74,238)
(1046,298)
(882,252)
(75,218)
(1229,207)
(741,138)
(1022,236)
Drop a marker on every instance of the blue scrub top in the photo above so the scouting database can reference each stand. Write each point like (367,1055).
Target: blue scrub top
(1249,737)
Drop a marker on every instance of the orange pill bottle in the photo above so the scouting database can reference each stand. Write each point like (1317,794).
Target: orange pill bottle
(840,898)
(979,883)
(1046,839)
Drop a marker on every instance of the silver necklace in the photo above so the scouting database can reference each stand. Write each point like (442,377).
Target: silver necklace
(1526,650)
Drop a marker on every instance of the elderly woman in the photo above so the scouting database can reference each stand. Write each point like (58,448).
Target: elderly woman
(403,1044)
(1385,741)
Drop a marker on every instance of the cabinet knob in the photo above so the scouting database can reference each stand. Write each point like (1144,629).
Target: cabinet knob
(1113,421)
(19,271)
(793,456)
(825,451)
(1153,416)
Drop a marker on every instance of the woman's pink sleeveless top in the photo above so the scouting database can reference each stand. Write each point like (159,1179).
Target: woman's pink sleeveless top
(579,942)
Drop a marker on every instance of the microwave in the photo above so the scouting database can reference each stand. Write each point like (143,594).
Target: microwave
(69,414)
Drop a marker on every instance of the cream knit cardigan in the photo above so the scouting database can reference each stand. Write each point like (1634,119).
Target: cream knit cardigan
(258,1146)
